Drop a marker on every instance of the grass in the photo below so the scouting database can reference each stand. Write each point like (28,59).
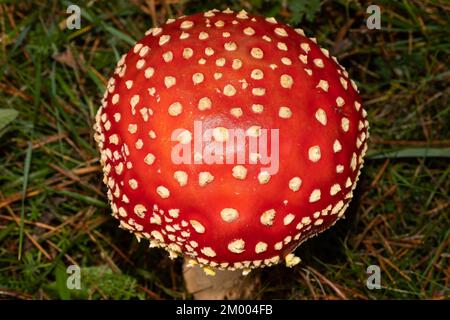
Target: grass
(53,210)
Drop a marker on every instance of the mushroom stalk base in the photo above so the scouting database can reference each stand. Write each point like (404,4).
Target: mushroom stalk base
(229,285)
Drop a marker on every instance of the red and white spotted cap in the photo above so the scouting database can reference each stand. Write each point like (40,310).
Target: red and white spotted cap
(230,71)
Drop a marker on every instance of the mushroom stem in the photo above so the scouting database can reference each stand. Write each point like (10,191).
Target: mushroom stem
(229,285)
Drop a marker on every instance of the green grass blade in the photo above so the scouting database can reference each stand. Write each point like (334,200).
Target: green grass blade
(61,282)
(412,153)
(7,116)
(26,173)
(83,198)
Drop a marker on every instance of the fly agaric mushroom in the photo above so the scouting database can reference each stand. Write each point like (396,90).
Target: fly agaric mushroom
(226,72)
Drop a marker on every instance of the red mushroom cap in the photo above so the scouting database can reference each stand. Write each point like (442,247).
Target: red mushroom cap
(223,74)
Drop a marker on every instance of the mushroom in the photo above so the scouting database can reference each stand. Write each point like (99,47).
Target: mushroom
(230,76)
